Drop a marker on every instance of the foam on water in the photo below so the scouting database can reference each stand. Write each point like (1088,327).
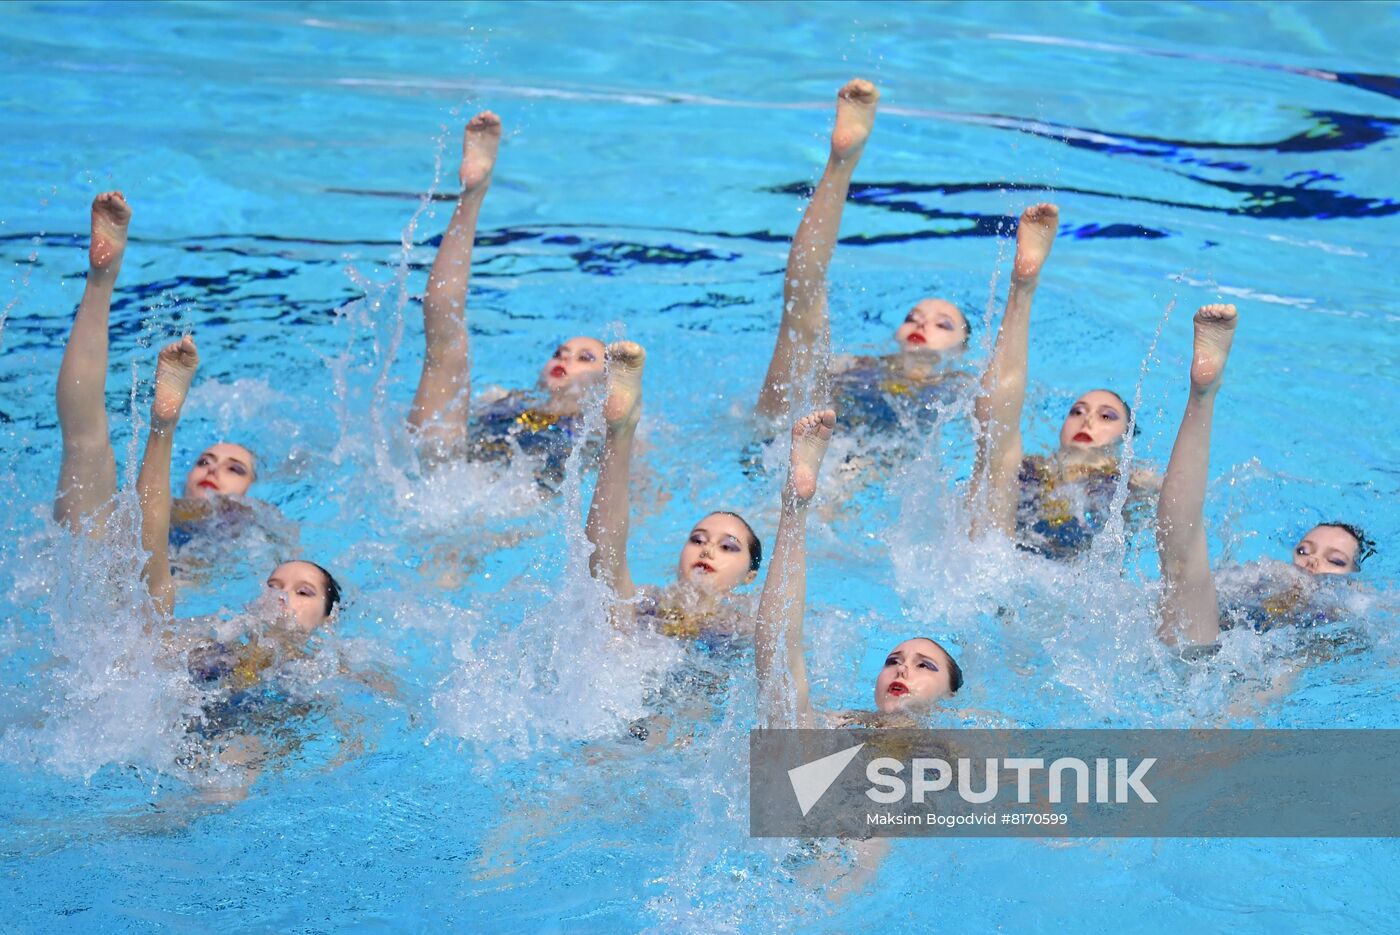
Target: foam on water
(107,692)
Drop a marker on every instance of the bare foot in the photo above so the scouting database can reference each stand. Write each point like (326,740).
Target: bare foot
(174,372)
(1034,237)
(855,115)
(1215,330)
(110,216)
(479,143)
(623,407)
(810,436)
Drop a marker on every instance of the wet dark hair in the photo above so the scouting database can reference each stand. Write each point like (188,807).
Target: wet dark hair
(955,673)
(755,547)
(332,586)
(1365,545)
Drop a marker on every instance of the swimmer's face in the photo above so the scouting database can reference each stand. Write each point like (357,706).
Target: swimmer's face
(303,586)
(917,673)
(716,556)
(576,365)
(1326,550)
(932,325)
(223,469)
(1097,419)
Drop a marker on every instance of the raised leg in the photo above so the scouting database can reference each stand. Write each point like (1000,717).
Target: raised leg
(87,477)
(174,371)
(778,641)
(995,488)
(1190,610)
(440,406)
(609,518)
(804,326)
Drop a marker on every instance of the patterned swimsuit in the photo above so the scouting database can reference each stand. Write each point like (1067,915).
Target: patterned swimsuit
(1058,518)
(512,424)
(875,394)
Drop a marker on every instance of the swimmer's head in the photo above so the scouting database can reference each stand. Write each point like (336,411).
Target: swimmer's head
(1333,549)
(933,325)
(225,469)
(721,553)
(312,593)
(575,365)
(1097,419)
(916,674)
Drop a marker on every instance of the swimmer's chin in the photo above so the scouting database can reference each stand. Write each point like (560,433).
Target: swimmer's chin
(568,385)
(906,705)
(703,582)
(925,354)
(699,578)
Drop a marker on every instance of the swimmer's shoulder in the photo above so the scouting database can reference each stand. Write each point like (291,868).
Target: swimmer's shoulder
(845,363)
(495,412)
(494,394)
(1144,480)
(191,512)
(1035,469)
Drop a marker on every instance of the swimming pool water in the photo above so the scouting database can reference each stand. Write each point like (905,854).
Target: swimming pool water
(656,161)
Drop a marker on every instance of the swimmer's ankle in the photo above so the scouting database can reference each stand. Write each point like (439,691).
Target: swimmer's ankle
(856,104)
(480,140)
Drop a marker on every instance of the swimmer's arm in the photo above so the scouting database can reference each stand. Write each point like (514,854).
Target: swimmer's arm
(778,638)
(378,682)
(350,743)
(1258,701)
(867,856)
(247,755)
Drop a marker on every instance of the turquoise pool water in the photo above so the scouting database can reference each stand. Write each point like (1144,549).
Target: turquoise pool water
(277,157)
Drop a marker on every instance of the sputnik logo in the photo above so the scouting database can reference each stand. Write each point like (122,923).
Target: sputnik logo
(811,780)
